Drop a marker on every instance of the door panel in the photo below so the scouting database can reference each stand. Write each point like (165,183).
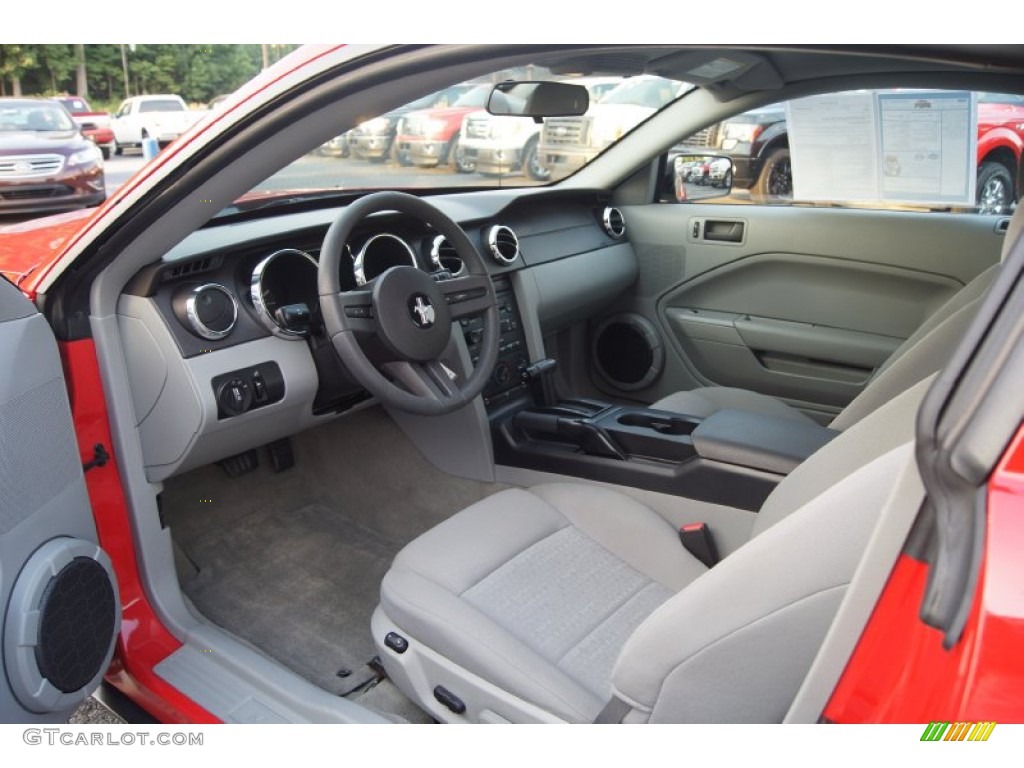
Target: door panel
(58,596)
(800,303)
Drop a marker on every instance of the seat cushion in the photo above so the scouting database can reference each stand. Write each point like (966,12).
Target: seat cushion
(704,401)
(556,580)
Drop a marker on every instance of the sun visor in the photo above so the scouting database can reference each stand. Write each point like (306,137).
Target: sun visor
(724,72)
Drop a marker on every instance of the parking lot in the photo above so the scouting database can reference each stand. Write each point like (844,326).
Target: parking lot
(316,172)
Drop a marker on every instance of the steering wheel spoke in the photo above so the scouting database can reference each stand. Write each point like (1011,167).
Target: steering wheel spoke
(432,379)
(469,295)
(350,311)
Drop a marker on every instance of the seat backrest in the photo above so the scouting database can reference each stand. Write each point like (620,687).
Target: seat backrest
(735,644)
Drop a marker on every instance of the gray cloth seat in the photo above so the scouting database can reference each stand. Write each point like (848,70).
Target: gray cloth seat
(921,355)
(546,603)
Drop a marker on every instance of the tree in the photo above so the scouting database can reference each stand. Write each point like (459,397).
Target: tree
(105,71)
(81,77)
(59,61)
(15,61)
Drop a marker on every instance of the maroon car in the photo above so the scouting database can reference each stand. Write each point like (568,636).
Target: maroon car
(46,164)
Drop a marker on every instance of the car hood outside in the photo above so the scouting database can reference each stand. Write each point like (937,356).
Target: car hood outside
(29,247)
(27,142)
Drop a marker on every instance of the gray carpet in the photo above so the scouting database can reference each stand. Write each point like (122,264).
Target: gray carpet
(299,584)
(292,561)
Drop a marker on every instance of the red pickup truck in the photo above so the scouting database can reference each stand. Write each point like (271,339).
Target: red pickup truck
(94,125)
(430,137)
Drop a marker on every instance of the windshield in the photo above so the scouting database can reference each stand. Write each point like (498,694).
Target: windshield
(475,98)
(34,116)
(652,92)
(161,105)
(75,106)
(446,139)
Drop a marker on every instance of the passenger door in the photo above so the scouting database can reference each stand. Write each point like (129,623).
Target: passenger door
(59,601)
(804,300)
(799,303)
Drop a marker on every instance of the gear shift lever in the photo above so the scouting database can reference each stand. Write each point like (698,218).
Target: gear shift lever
(541,378)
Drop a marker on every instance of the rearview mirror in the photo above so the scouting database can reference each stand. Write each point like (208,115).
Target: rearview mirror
(538,99)
(696,177)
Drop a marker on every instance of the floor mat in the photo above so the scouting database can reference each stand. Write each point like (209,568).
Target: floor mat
(300,585)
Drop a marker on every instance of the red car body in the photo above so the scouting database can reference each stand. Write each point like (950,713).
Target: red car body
(899,672)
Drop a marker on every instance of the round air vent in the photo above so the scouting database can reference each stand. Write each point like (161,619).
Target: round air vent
(444,256)
(503,244)
(614,222)
(211,311)
(627,351)
(62,620)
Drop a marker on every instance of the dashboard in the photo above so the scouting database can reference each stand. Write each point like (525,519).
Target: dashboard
(226,347)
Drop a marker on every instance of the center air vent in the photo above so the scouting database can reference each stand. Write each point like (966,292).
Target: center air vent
(614,222)
(444,256)
(503,244)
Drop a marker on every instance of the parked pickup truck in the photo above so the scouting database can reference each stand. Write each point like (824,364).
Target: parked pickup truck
(95,125)
(163,117)
(569,143)
(430,137)
(499,144)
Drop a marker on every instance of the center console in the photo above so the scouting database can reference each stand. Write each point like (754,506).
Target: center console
(733,457)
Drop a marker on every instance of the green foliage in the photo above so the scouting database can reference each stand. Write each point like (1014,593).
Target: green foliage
(196,72)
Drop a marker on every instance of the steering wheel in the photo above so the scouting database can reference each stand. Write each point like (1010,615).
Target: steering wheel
(405,316)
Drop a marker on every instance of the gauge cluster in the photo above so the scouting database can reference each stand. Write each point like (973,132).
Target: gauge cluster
(233,297)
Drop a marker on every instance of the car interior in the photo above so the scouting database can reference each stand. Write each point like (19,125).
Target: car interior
(573,452)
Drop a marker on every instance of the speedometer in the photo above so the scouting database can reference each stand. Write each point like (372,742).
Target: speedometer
(283,290)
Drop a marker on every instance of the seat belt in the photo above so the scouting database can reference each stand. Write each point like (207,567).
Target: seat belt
(696,538)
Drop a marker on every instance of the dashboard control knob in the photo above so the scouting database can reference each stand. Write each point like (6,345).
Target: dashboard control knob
(502,373)
(234,397)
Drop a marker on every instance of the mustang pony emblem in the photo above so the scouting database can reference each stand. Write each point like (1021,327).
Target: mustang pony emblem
(422,311)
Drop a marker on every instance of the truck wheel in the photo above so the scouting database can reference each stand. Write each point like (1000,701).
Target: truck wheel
(116,148)
(457,157)
(776,179)
(531,162)
(995,188)
(105,150)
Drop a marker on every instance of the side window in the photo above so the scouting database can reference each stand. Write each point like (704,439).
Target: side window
(919,150)
(124,109)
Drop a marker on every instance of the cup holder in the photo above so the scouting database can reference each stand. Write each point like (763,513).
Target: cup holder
(662,424)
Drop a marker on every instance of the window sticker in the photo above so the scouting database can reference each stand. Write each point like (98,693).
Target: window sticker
(890,146)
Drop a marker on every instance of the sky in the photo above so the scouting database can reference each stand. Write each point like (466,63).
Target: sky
(781,21)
